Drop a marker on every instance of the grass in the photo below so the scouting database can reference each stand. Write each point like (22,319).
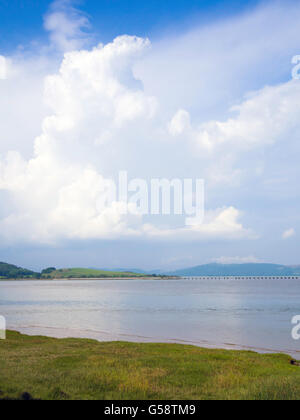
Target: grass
(89,273)
(53,369)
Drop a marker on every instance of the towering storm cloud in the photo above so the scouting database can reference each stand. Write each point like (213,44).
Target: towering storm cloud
(87,110)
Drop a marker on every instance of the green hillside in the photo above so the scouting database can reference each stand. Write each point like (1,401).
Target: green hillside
(69,273)
(9,271)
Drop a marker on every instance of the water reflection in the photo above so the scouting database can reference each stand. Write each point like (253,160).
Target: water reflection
(218,312)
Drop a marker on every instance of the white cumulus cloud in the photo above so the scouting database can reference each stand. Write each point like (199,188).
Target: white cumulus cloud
(223,223)
(112,107)
(54,194)
(181,123)
(264,118)
(67,26)
(289,233)
(237,260)
(3,68)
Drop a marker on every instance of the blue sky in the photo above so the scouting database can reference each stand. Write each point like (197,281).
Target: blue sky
(23,18)
(196,89)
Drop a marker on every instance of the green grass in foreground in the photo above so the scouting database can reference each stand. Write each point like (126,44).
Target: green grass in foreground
(84,369)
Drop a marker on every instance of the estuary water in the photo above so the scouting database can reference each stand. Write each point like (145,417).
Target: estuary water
(253,314)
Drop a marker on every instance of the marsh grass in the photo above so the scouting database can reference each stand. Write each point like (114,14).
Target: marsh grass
(52,369)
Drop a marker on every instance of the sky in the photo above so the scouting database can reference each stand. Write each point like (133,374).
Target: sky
(174,89)
(110,18)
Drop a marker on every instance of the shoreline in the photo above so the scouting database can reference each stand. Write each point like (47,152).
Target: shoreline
(95,278)
(109,337)
(194,278)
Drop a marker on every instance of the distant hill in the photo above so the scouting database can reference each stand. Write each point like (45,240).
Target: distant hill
(121,270)
(69,273)
(9,271)
(238,270)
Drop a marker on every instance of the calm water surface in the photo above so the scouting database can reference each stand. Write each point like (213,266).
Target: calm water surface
(252,314)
